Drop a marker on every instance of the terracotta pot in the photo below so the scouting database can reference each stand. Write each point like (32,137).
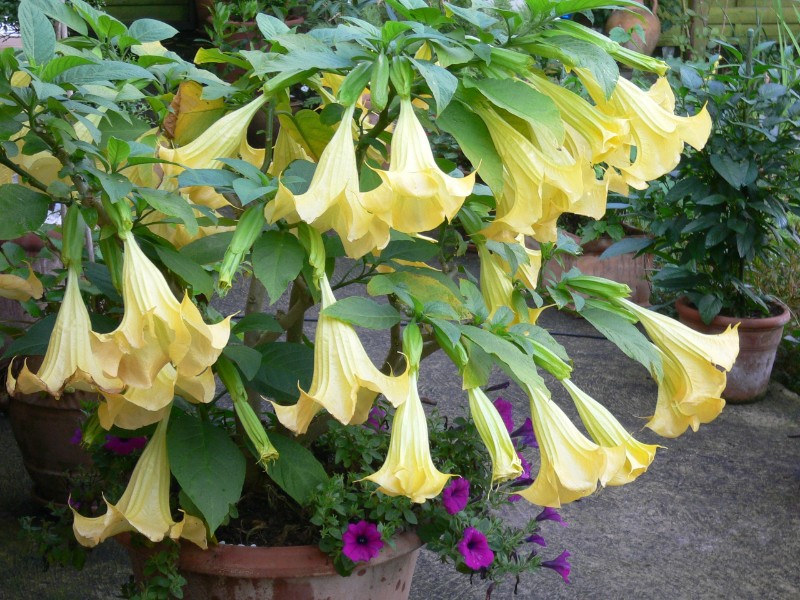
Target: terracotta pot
(43,428)
(624,268)
(758,342)
(630,18)
(228,572)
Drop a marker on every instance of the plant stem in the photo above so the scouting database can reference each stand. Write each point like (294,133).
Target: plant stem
(255,301)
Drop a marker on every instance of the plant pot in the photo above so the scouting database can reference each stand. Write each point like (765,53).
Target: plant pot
(43,428)
(624,268)
(228,572)
(758,342)
(630,18)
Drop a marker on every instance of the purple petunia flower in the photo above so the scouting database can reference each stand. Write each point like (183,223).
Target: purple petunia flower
(76,438)
(551,514)
(506,411)
(526,468)
(525,431)
(475,549)
(377,419)
(514,498)
(124,446)
(456,495)
(536,539)
(362,541)
(559,565)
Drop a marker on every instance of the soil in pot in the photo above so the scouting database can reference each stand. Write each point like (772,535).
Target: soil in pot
(758,342)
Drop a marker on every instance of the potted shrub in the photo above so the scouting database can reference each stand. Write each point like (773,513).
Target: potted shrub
(727,207)
(302,449)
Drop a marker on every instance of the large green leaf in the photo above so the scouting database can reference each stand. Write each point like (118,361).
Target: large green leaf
(150,30)
(363,312)
(188,270)
(296,471)
(110,70)
(247,359)
(173,205)
(520,99)
(22,210)
(209,249)
(38,35)
(510,358)
(284,367)
(424,289)
(442,82)
(209,467)
(34,341)
(277,259)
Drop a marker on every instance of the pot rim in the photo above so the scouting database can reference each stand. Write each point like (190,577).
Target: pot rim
(683,305)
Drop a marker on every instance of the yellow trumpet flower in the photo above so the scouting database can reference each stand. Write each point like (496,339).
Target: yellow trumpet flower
(497,281)
(286,151)
(144,506)
(70,360)
(415,195)
(505,460)
(690,388)
(656,132)
(408,469)
(606,431)
(156,328)
(345,381)
(333,200)
(571,464)
(14,287)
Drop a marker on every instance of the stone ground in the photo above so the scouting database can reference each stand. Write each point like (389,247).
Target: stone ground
(716,516)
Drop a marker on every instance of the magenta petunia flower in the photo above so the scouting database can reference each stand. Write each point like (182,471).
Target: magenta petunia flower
(526,468)
(475,549)
(506,411)
(362,541)
(456,495)
(377,419)
(551,514)
(536,539)
(124,446)
(525,431)
(559,565)
(76,438)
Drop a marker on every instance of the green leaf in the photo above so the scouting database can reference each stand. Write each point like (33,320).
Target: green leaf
(60,64)
(23,210)
(209,467)
(543,337)
(297,471)
(520,99)
(256,322)
(116,185)
(732,171)
(173,205)
(475,141)
(248,190)
(150,30)
(270,27)
(424,288)
(188,270)
(476,17)
(110,70)
(284,367)
(626,337)
(404,247)
(34,341)
(442,82)
(99,276)
(62,12)
(38,35)
(247,359)
(209,249)
(510,358)
(581,53)
(117,151)
(277,259)
(363,312)
(210,177)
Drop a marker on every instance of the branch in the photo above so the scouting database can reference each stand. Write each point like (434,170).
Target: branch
(254,304)
(27,177)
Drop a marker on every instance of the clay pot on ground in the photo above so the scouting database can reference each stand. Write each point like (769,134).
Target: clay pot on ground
(758,342)
(624,268)
(629,18)
(232,572)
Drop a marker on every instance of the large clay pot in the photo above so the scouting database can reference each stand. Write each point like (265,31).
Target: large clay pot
(43,428)
(624,268)
(758,342)
(629,18)
(228,572)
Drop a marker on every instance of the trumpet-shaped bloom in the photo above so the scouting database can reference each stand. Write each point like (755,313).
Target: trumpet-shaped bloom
(14,287)
(497,281)
(606,431)
(333,200)
(571,464)
(415,195)
(144,506)
(408,469)
(655,131)
(691,385)
(286,151)
(70,359)
(345,380)
(156,328)
(494,434)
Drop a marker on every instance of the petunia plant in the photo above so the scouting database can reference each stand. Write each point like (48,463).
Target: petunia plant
(176,186)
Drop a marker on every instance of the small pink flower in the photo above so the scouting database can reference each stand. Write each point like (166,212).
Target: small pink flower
(362,541)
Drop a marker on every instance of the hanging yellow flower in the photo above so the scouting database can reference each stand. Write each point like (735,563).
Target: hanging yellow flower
(690,388)
(415,195)
(571,464)
(497,281)
(144,506)
(333,200)
(15,287)
(345,381)
(505,460)
(606,431)
(70,360)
